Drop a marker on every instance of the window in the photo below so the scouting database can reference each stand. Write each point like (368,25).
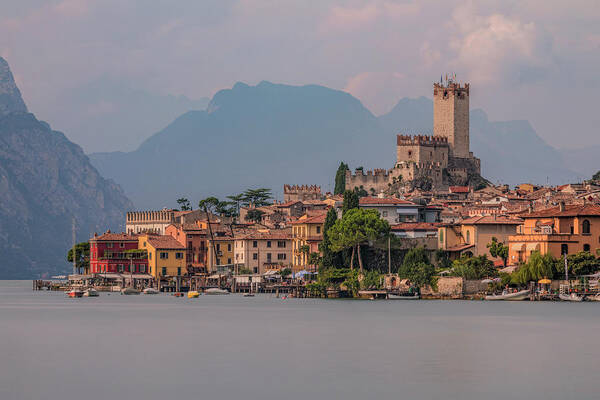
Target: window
(218,246)
(109,245)
(268,256)
(229,261)
(255,269)
(564,249)
(255,256)
(178,255)
(164,255)
(178,271)
(410,153)
(281,256)
(255,244)
(142,269)
(149,256)
(384,213)
(586,247)
(268,243)
(189,245)
(120,267)
(164,271)
(586,227)
(218,261)
(281,244)
(441,236)
(121,245)
(468,237)
(228,246)
(318,229)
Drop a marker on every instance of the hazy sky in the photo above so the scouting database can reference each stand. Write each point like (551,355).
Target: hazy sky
(537,60)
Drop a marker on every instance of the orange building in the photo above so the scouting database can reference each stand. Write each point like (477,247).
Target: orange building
(306,231)
(565,229)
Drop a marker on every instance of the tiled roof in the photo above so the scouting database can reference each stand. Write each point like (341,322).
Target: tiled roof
(459,189)
(284,234)
(415,226)
(385,201)
(113,237)
(317,219)
(288,204)
(571,210)
(164,242)
(491,220)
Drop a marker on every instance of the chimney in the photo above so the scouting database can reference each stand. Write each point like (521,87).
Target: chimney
(561,206)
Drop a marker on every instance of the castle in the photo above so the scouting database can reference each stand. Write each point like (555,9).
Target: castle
(430,162)
(301,192)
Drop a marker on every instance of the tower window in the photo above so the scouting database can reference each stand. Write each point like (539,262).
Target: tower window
(410,153)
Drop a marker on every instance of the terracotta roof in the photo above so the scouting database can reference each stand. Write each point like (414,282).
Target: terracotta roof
(284,234)
(460,247)
(287,204)
(385,201)
(491,220)
(415,226)
(164,242)
(113,237)
(459,189)
(571,210)
(317,219)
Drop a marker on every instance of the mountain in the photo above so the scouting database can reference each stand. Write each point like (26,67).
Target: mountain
(46,181)
(109,114)
(583,160)
(510,151)
(250,136)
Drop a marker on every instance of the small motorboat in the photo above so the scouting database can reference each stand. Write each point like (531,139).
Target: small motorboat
(215,291)
(91,292)
(570,297)
(248,294)
(193,294)
(73,293)
(520,295)
(392,296)
(177,294)
(129,291)
(150,290)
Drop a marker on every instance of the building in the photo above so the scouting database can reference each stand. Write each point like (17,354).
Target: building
(415,230)
(396,211)
(430,161)
(194,238)
(224,256)
(306,231)
(472,235)
(166,256)
(565,229)
(116,253)
(260,251)
(157,221)
(301,192)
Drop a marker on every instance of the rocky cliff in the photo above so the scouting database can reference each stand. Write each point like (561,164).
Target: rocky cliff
(46,182)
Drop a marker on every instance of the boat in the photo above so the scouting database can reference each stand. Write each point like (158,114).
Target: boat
(74,293)
(392,296)
(570,297)
(593,298)
(192,294)
(91,292)
(150,290)
(215,291)
(520,295)
(248,294)
(129,291)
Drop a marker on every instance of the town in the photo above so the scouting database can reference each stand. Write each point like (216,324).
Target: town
(428,227)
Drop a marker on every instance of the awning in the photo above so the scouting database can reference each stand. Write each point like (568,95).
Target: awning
(533,247)
(517,246)
(545,281)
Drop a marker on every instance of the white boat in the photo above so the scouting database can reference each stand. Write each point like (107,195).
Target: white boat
(74,293)
(150,290)
(91,292)
(392,296)
(521,295)
(129,290)
(216,291)
(570,297)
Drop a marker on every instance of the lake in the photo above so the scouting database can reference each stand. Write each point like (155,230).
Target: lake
(229,347)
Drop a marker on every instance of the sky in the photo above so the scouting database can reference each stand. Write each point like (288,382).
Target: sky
(536,60)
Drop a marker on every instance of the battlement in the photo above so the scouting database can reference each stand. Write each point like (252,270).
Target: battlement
(421,140)
(293,189)
(382,172)
(450,87)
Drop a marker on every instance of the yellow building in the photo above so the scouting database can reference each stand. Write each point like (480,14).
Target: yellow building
(224,252)
(472,235)
(165,255)
(565,229)
(306,231)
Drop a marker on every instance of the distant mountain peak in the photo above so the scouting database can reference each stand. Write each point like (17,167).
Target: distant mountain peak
(10,96)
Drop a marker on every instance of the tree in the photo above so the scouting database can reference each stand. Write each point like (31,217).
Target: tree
(596,176)
(340,179)
(255,215)
(313,258)
(360,192)
(537,267)
(216,206)
(356,228)
(82,256)
(184,204)
(285,272)
(350,201)
(257,197)
(236,200)
(582,263)
(473,267)
(210,203)
(329,257)
(498,249)
(416,267)
(442,259)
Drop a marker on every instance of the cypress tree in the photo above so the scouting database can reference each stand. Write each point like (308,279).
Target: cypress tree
(340,178)
(350,200)
(329,258)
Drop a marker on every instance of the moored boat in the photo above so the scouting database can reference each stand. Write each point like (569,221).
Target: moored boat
(193,294)
(593,298)
(570,297)
(91,292)
(150,290)
(215,291)
(73,293)
(392,296)
(520,295)
(129,291)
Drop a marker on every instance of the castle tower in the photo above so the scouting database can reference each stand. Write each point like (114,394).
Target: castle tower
(451,116)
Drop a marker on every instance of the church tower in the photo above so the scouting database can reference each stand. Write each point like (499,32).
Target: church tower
(451,116)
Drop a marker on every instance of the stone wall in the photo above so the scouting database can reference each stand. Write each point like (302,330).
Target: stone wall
(450,286)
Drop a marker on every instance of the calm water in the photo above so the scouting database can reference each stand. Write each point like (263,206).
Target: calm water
(229,347)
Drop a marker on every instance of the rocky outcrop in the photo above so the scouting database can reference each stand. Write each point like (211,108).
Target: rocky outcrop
(46,183)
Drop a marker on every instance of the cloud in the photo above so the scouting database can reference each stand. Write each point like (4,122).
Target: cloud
(348,18)
(372,87)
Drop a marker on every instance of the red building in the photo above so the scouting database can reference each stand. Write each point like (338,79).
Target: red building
(112,253)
